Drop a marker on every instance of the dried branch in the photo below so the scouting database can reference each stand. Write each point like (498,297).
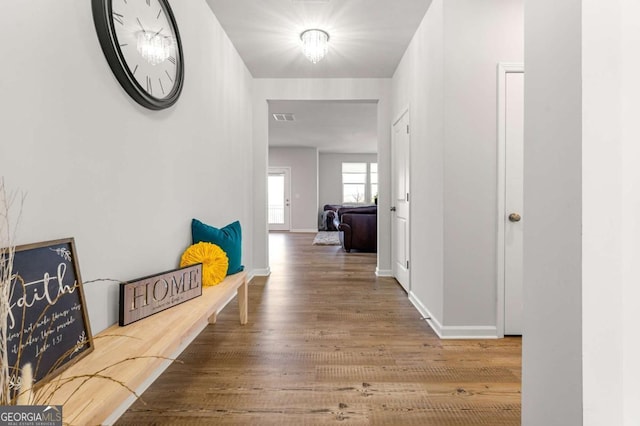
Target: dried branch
(46,394)
(7,252)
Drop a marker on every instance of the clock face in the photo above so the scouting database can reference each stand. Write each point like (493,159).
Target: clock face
(141,43)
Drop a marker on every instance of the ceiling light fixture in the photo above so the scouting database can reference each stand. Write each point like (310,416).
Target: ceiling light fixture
(154,48)
(315,44)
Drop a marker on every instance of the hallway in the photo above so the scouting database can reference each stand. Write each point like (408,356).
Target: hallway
(329,342)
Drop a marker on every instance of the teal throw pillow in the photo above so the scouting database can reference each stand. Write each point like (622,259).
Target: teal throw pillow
(228,239)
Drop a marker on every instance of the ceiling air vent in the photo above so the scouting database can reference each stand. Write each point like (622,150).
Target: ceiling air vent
(284,116)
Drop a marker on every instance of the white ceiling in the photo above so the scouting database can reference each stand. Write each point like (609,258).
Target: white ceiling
(367,37)
(331,126)
(367,40)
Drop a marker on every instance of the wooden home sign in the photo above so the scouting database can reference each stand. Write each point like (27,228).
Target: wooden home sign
(150,295)
(47,322)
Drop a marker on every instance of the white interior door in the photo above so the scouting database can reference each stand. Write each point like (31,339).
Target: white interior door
(513,214)
(400,202)
(279,188)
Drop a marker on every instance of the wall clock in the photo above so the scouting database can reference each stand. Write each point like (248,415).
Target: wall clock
(142,45)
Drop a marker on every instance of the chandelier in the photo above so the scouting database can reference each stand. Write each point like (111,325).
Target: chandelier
(315,44)
(154,48)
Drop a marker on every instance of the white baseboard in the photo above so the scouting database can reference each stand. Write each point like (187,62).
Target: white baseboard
(431,320)
(384,272)
(453,331)
(469,332)
(304,231)
(259,273)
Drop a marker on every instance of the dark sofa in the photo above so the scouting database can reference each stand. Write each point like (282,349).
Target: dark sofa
(358,227)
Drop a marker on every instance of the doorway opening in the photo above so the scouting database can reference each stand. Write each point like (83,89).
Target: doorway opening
(316,138)
(279,199)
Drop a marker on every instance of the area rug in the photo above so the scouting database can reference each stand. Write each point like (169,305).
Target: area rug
(326,238)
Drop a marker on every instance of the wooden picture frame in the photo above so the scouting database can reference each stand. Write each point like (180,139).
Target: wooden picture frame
(47,325)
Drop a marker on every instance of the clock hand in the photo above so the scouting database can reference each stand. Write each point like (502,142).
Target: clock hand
(140,23)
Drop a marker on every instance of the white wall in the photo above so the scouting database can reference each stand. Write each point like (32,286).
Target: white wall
(581,349)
(304,184)
(552,341)
(611,206)
(601,215)
(447,79)
(123,180)
(630,134)
(418,84)
(317,89)
(477,35)
(331,175)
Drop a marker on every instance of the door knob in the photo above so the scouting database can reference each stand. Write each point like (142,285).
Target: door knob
(393,209)
(515,217)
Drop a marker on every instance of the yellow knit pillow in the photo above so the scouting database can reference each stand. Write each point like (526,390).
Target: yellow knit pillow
(214,262)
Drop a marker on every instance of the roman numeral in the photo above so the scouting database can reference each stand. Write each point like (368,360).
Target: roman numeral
(118,18)
(169,76)
(124,44)
(135,69)
(161,86)
(159,13)
(172,60)
(149,3)
(149,86)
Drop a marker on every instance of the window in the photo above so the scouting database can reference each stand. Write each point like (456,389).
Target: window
(373,182)
(359,182)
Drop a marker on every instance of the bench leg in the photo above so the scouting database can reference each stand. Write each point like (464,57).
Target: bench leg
(243,302)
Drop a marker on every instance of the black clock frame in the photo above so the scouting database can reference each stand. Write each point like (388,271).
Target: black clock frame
(102,17)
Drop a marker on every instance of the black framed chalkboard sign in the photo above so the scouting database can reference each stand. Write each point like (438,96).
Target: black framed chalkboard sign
(47,322)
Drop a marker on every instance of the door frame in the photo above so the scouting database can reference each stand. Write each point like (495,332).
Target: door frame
(287,173)
(504,68)
(403,112)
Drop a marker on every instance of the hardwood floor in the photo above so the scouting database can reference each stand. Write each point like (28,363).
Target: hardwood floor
(330,343)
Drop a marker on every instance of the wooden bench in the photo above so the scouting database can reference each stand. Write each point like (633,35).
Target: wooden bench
(137,354)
